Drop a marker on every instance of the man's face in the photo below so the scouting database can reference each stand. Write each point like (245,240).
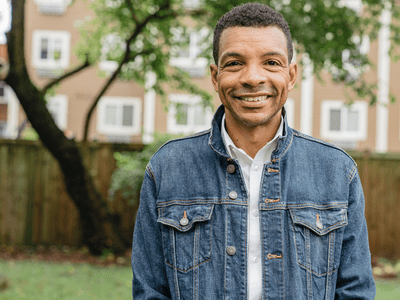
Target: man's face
(253,76)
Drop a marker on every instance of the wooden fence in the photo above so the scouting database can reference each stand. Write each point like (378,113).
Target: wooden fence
(35,208)
(34,205)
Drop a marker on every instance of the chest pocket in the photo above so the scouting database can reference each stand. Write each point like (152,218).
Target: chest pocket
(186,234)
(318,235)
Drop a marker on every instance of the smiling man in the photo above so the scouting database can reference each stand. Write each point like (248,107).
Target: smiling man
(251,209)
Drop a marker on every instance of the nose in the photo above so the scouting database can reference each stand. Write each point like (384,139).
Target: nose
(253,75)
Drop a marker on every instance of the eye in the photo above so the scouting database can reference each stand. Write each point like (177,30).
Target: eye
(232,63)
(272,63)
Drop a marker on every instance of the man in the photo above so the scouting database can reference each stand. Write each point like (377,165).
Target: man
(251,209)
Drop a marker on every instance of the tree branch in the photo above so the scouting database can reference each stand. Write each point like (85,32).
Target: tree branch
(110,80)
(68,74)
(130,6)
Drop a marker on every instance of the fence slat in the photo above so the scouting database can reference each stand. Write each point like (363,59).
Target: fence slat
(36,209)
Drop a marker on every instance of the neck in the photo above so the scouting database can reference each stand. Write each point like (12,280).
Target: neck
(252,138)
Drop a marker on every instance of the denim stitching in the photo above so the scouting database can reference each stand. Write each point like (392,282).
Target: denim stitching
(308,261)
(278,158)
(176,225)
(178,296)
(200,201)
(150,172)
(323,232)
(315,273)
(262,257)
(195,261)
(301,135)
(226,255)
(185,271)
(353,173)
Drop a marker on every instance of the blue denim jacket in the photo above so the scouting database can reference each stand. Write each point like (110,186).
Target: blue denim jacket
(190,239)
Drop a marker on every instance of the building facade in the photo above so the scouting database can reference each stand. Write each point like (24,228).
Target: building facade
(129,113)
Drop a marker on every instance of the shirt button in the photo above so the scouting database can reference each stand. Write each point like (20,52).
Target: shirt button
(255,259)
(231,169)
(233,195)
(256,168)
(231,250)
(255,212)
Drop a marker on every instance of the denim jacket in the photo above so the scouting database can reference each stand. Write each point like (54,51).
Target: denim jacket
(190,239)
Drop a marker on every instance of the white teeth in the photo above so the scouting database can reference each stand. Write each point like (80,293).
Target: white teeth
(254,98)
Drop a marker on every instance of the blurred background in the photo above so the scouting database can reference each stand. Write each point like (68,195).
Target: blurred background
(89,89)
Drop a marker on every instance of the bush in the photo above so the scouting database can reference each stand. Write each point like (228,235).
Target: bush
(128,177)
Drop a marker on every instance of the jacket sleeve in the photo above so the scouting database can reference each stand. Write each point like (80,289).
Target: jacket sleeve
(149,274)
(355,280)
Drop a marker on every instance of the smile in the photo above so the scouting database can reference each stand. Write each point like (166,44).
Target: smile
(254,99)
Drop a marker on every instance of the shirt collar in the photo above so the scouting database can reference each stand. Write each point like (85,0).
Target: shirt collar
(230,146)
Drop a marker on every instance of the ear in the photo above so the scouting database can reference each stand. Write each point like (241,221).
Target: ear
(292,75)
(214,76)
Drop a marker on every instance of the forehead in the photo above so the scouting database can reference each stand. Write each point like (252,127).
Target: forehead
(236,38)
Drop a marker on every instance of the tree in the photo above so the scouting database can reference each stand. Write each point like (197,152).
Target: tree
(148,33)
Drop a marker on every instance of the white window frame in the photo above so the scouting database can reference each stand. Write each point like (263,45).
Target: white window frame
(192,101)
(193,61)
(63,62)
(61,115)
(119,129)
(108,41)
(289,107)
(52,7)
(344,135)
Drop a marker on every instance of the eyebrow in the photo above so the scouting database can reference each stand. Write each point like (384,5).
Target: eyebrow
(235,54)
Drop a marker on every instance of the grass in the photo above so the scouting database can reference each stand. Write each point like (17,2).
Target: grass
(35,280)
(52,281)
(387,289)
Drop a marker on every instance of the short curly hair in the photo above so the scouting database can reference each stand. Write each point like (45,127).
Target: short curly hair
(252,15)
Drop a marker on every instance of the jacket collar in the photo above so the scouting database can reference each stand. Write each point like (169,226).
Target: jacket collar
(216,143)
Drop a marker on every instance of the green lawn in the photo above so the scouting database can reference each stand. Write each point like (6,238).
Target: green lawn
(388,289)
(52,281)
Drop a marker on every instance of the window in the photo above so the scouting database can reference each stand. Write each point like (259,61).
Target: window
(187,55)
(52,7)
(51,49)
(340,122)
(112,48)
(58,108)
(187,115)
(119,115)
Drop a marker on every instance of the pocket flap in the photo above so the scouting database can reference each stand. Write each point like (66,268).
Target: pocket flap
(321,221)
(174,215)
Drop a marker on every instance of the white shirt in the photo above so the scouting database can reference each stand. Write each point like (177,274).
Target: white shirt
(252,170)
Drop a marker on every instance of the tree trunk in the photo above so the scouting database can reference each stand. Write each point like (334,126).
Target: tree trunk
(99,230)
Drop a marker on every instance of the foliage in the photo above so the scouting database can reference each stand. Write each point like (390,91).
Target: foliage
(148,32)
(131,166)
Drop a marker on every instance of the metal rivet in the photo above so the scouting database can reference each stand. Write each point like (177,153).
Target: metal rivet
(231,250)
(231,169)
(184,221)
(233,195)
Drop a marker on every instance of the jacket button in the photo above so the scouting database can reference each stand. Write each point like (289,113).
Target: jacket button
(231,250)
(184,221)
(231,169)
(233,195)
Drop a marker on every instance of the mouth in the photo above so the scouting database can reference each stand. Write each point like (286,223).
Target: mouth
(254,99)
